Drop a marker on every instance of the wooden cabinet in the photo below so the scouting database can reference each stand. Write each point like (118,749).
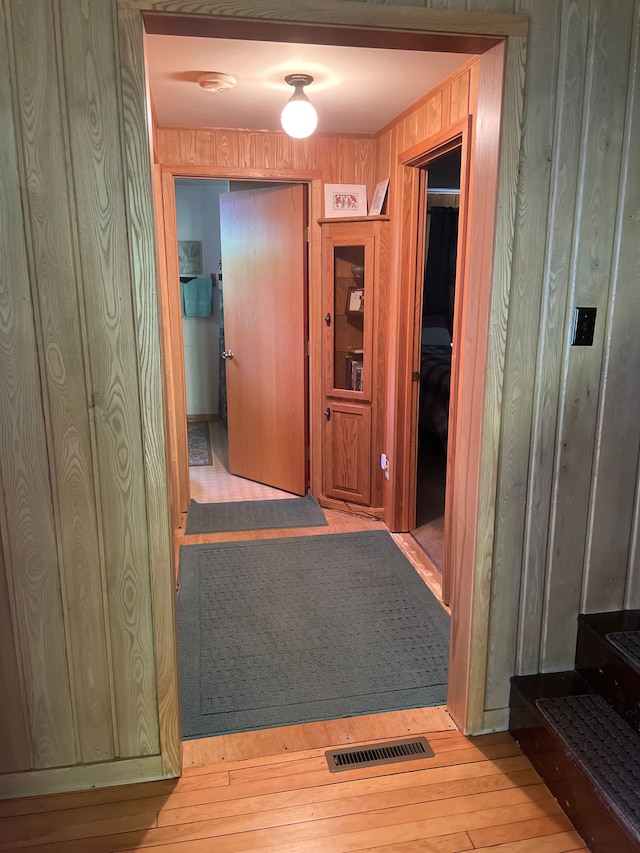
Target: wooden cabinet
(354,295)
(347,449)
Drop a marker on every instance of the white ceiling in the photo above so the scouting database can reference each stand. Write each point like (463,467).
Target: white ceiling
(355,90)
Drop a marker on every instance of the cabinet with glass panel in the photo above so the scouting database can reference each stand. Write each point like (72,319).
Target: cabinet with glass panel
(354,284)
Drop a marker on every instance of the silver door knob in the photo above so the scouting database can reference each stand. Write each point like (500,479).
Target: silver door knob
(227,354)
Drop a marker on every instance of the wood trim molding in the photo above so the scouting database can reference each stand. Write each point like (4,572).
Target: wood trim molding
(136,154)
(435,146)
(345,14)
(81,777)
(467,694)
(173,343)
(315,201)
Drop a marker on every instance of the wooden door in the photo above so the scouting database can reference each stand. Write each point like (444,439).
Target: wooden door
(264,279)
(347,452)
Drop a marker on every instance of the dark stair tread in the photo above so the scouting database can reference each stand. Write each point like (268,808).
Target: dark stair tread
(610,622)
(604,745)
(628,643)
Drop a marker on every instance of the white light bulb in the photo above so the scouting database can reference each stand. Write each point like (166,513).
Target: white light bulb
(299,118)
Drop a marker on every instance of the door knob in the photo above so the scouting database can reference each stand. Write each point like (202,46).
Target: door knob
(327,413)
(227,354)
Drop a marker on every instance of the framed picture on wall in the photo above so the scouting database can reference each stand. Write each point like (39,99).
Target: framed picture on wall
(190,257)
(345,200)
(379,195)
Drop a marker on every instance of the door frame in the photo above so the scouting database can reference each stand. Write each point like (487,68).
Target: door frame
(368,25)
(170,296)
(458,135)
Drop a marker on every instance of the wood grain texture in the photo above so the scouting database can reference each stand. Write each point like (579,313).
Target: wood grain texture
(23,476)
(348,159)
(591,259)
(78,778)
(347,452)
(113,396)
(609,579)
(562,201)
(346,14)
(521,347)
(262,240)
(174,343)
(108,343)
(168,370)
(289,801)
(160,682)
(14,713)
(477,408)
(31,536)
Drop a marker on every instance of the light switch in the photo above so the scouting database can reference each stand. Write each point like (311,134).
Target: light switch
(584,324)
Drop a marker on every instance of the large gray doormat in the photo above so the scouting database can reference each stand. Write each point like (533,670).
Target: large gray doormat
(254,515)
(281,631)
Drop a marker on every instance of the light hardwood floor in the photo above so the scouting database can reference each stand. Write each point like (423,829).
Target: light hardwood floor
(474,794)
(271,790)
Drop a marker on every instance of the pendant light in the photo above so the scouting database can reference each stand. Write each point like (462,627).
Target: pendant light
(299,118)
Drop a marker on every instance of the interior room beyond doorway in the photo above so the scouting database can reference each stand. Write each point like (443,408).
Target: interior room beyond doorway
(198,232)
(437,341)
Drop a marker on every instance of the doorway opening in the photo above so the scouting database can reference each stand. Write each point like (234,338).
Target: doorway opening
(219,225)
(437,340)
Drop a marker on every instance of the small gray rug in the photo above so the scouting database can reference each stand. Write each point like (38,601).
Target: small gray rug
(199,443)
(254,515)
(282,631)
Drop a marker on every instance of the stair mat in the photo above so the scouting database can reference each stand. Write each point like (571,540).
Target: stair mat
(627,642)
(605,746)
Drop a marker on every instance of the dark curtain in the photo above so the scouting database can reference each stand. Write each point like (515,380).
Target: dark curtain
(440,268)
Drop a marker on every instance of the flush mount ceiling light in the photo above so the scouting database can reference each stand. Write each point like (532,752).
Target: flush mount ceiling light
(217,81)
(299,119)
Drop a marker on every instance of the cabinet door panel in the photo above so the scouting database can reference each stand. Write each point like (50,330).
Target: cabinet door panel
(347,452)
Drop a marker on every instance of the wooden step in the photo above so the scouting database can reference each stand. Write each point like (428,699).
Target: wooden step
(606,658)
(586,753)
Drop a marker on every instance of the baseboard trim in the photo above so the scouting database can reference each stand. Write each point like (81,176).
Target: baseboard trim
(192,418)
(348,506)
(496,720)
(81,777)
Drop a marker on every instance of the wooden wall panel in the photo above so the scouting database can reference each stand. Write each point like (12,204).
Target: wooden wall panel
(91,88)
(562,201)
(157,575)
(28,557)
(567,452)
(338,159)
(83,517)
(610,27)
(521,345)
(610,582)
(34,549)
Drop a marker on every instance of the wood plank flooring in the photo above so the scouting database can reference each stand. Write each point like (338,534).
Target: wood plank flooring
(272,791)
(474,794)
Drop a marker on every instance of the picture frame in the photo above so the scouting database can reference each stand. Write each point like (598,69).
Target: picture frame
(379,196)
(345,200)
(190,257)
(355,300)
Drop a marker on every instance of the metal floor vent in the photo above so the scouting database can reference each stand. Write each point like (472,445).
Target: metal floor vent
(379,753)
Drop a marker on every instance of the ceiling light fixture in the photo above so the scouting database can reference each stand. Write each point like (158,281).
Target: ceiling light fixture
(299,118)
(217,81)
